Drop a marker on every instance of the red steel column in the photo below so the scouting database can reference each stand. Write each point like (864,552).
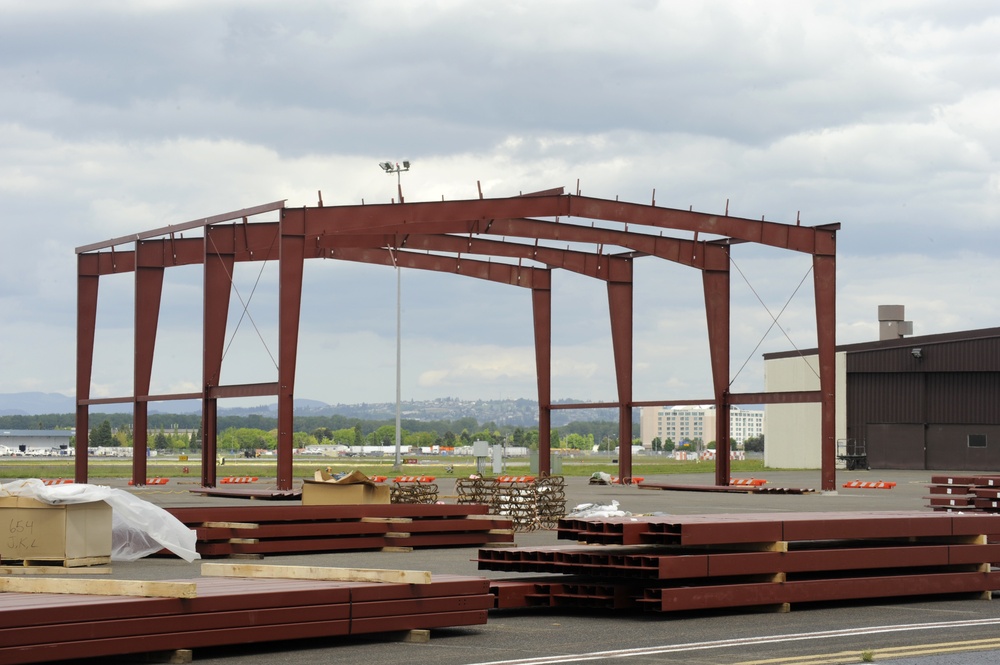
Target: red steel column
(290,268)
(716,283)
(218,285)
(825,284)
(620,307)
(86,325)
(148,292)
(541,308)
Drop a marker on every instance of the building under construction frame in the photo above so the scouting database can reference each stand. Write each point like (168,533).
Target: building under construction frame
(598,238)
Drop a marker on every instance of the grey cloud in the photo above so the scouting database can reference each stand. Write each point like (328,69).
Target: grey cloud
(464,77)
(876,115)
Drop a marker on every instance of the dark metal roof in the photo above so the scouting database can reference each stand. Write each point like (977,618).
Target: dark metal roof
(907,342)
(36,432)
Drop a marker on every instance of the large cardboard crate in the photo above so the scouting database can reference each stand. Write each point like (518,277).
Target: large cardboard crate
(34,531)
(319,493)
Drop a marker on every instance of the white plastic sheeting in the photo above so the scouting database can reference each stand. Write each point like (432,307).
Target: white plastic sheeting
(598,510)
(138,528)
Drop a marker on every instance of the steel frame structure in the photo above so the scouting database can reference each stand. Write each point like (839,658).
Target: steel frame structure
(441,236)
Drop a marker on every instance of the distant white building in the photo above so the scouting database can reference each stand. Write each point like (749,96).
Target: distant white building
(687,423)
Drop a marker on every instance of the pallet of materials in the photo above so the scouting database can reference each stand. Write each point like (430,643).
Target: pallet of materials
(692,562)
(39,625)
(276,529)
(532,503)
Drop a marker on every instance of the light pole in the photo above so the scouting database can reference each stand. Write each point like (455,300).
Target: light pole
(391,168)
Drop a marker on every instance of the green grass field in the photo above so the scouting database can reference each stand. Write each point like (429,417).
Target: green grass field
(18,467)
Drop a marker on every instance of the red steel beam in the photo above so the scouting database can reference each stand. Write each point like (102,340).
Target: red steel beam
(290,271)
(717,309)
(698,254)
(86,326)
(148,293)
(600,266)
(404,217)
(825,283)
(176,228)
(541,314)
(620,306)
(218,271)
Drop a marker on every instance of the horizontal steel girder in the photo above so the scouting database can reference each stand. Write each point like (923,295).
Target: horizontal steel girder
(401,217)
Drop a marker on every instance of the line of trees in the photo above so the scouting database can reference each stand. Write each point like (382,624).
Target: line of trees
(176,432)
(104,435)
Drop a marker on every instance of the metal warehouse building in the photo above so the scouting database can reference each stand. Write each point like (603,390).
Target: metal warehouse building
(929,402)
(34,438)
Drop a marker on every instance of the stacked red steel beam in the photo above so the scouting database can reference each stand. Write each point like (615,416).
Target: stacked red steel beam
(690,562)
(37,628)
(965,493)
(284,529)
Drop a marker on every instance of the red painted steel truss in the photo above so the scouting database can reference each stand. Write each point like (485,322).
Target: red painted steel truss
(441,236)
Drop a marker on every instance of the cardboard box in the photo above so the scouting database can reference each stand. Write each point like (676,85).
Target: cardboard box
(331,494)
(32,530)
(353,489)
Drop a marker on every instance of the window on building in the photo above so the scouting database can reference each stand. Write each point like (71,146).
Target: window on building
(977,440)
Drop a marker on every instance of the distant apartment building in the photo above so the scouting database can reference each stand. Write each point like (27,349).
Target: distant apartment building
(687,423)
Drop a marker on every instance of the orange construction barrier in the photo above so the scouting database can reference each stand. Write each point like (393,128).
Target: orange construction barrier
(236,480)
(58,481)
(378,479)
(413,479)
(515,479)
(753,482)
(154,481)
(870,485)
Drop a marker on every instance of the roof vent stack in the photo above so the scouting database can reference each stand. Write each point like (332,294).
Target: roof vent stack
(891,324)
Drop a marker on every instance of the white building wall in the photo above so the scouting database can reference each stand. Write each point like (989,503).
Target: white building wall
(792,437)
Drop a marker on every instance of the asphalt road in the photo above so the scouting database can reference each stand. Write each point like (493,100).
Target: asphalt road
(943,632)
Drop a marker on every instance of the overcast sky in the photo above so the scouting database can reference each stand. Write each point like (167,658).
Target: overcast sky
(119,117)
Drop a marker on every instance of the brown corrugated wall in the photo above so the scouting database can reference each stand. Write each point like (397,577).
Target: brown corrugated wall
(950,391)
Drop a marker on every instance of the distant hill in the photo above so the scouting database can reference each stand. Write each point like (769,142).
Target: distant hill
(515,412)
(31,404)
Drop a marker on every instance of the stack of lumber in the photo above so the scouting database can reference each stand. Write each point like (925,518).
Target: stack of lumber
(965,493)
(113,617)
(277,529)
(694,562)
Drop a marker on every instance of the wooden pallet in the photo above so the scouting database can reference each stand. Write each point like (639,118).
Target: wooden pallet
(58,563)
